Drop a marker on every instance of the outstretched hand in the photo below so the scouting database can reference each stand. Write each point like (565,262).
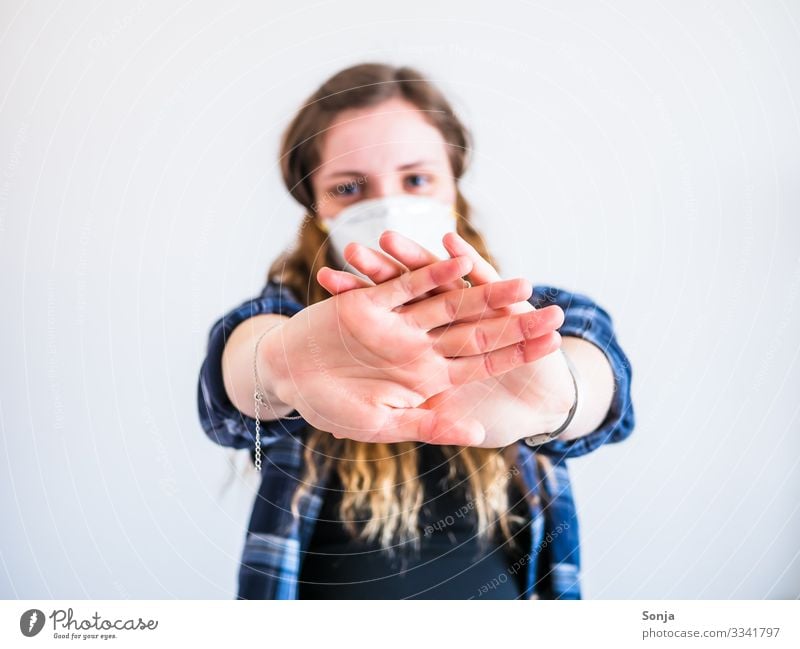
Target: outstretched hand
(535,391)
(360,364)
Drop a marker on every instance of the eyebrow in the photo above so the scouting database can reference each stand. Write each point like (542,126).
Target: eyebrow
(409,165)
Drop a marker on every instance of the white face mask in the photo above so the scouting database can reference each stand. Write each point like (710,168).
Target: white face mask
(420,218)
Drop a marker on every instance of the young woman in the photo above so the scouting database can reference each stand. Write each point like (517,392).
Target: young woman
(411,427)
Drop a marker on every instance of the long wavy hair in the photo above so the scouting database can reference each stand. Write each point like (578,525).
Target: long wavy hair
(381,481)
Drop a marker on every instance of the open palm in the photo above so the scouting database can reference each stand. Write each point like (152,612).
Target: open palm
(535,391)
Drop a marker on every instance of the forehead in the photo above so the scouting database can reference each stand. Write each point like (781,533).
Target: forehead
(381,137)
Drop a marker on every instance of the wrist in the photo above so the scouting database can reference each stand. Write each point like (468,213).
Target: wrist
(273,370)
(565,414)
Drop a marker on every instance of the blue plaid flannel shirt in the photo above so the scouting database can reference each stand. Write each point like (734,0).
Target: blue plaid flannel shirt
(275,540)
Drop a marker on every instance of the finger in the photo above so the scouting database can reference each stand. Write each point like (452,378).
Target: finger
(432,427)
(495,333)
(339,281)
(482,271)
(412,255)
(453,306)
(376,265)
(415,283)
(477,368)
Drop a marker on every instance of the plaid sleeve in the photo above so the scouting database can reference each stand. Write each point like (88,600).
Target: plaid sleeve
(221,421)
(585,319)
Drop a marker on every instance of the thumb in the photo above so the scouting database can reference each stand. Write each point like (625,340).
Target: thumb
(430,426)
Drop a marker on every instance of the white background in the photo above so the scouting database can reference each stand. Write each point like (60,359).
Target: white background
(645,154)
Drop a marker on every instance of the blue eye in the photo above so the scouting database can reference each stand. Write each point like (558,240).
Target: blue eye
(418,180)
(346,189)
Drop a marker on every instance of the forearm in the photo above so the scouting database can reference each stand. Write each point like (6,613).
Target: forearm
(237,366)
(595,385)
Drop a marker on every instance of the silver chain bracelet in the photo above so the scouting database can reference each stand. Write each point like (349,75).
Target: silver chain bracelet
(260,399)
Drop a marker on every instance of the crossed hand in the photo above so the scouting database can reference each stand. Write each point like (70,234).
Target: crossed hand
(415,355)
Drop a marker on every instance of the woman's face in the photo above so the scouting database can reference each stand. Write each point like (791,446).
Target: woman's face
(382,150)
